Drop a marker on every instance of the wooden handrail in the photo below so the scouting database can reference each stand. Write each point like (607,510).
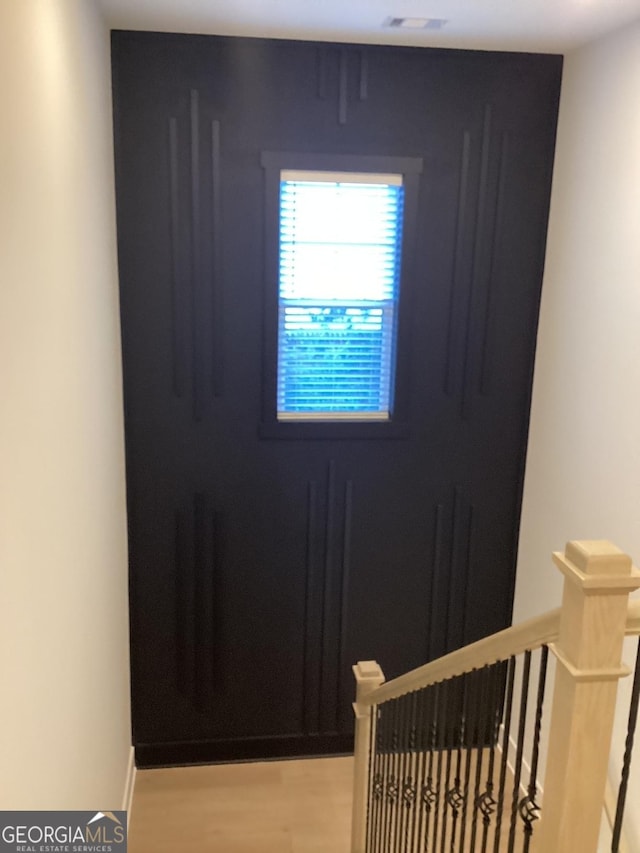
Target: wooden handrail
(633,618)
(532,634)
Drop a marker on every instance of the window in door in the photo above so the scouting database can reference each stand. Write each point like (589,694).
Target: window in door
(338,232)
(340,242)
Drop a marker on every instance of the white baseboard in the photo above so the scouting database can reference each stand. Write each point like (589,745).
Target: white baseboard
(130,781)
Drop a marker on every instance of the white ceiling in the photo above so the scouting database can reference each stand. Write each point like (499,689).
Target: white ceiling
(530,25)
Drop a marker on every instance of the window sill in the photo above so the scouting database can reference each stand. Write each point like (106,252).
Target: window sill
(336,430)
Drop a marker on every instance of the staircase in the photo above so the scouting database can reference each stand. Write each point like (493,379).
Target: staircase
(504,745)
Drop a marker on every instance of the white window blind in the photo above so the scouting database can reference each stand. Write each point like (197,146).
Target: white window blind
(340,242)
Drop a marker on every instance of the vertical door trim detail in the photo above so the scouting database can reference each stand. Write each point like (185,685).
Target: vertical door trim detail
(200,599)
(310,715)
(327,585)
(218,303)
(467,569)
(216,564)
(478,243)
(344,594)
(486,363)
(176,277)
(461,544)
(198,354)
(322,73)
(364,76)
(457,260)
(181,602)
(436,571)
(343,87)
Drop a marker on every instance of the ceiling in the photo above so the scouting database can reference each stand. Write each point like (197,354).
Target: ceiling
(528,25)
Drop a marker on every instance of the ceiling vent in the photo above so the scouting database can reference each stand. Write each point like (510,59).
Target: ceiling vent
(415,23)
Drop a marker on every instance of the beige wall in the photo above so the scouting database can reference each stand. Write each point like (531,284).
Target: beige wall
(64,708)
(583,466)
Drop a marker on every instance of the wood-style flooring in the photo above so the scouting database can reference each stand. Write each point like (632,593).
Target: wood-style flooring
(301,806)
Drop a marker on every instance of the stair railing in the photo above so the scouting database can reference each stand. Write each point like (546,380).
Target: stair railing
(449,755)
(619,842)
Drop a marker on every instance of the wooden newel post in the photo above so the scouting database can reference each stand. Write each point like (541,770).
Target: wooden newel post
(598,580)
(368,676)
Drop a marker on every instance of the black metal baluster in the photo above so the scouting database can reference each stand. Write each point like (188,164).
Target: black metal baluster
(511,673)
(517,775)
(445,789)
(393,786)
(371,803)
(408,784)
(382,839)
(397,834)
(401,762)
(378,782)
(479,740)
(440,746)
(529,808)
(411,782)
(402,769)
(456,797)
(470,701)
(427,790)
(422,722)
(485,802)
(628,752)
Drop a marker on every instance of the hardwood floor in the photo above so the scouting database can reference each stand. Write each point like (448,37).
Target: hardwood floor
(298,806)
(301,806)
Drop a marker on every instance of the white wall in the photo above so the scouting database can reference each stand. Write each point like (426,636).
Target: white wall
(64,707)
(583,465)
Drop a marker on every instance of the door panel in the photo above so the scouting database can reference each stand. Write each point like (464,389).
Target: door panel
(263,567)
